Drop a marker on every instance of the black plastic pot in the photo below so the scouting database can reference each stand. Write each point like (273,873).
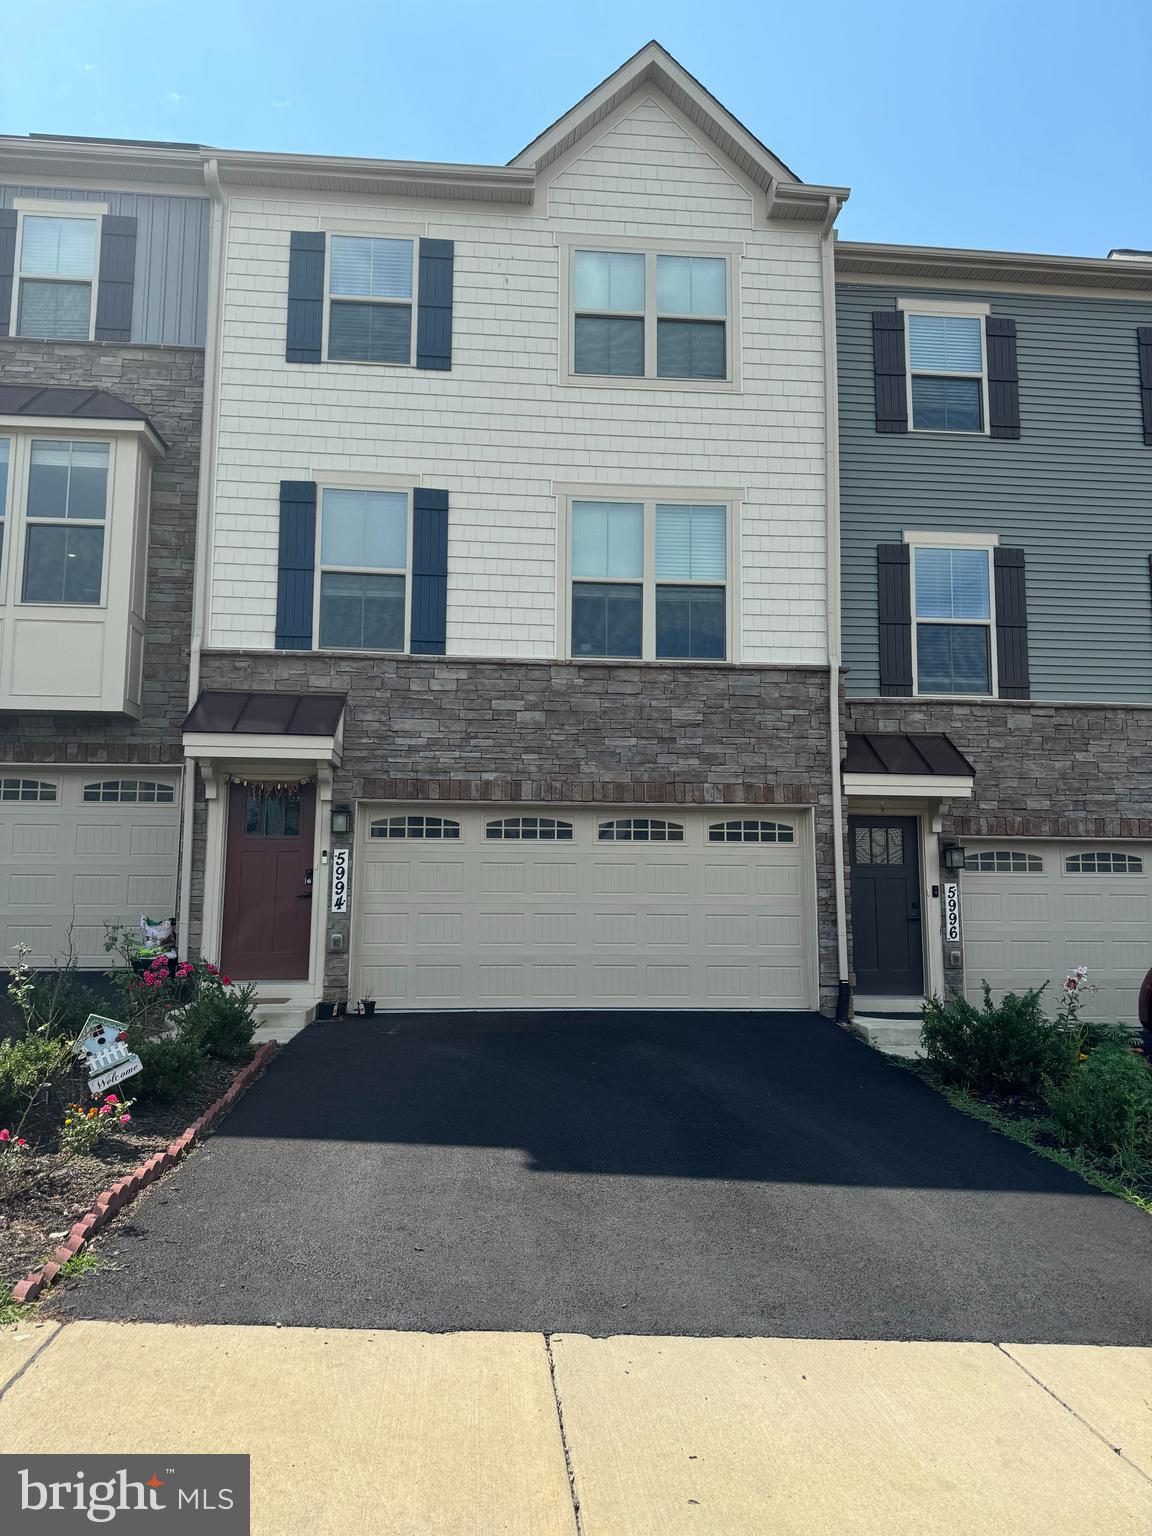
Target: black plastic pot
(368,1007)
(325,1010)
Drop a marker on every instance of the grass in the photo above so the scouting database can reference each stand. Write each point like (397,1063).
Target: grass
(14,1312)
(82,1263)
(1032,1133)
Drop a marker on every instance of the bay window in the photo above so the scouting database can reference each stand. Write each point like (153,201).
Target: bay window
(65,510)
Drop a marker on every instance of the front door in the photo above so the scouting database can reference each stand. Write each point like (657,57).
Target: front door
(268,882)
(887,944)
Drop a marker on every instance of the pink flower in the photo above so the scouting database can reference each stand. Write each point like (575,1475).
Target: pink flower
(110,1098)
(1071,985)
(20,1142)
(225,981)
(105,1109)
(158,962)
(124,1119)
(210,968)
(123,1035)
(5,1135)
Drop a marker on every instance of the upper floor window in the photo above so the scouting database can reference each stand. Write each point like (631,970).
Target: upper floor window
(65,510)
(56,276)
(361,595)
(639,314)
(649,580)
(946,372)
(952,603)
(371,295)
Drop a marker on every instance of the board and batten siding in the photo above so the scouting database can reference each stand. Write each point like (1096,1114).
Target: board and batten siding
(1074,492)
(498,429)
(170,285)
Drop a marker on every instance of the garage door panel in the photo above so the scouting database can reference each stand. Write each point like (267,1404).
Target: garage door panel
(153,842)
(1134,909)
(99,890)
(96,840)
(637,924)
(32,891)
(33,838)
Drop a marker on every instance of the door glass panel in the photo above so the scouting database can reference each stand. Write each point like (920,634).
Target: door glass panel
(879,845)
(272,813)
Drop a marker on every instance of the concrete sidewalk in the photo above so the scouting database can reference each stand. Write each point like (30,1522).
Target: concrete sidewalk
(404,1434)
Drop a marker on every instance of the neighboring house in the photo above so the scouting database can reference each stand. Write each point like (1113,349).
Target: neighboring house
(996,514)
(516,589)
(103,298)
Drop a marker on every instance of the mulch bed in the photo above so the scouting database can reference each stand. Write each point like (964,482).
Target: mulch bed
(55,1191)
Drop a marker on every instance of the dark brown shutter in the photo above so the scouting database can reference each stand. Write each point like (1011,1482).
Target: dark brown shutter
(1144,349)
(895,614)
(890,370)
(1011,624)
(8,217)
(1003,377)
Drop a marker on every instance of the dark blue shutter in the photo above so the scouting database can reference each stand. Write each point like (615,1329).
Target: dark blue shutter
(1144,352)
(7,264)
(429,573)
(889,370)
(305,297)
(117,275)
(297,569)
(1011,624)
(894,593)
(434,320)
(1003,377)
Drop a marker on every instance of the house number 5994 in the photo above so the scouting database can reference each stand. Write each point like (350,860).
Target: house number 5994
(339,879)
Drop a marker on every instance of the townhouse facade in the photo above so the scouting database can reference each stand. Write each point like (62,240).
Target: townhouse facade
(588,583)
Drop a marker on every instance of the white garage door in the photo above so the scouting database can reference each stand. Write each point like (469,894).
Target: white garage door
(1033,911)
(593,908)
(82,848)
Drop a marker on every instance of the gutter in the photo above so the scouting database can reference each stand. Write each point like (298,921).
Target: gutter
(832,587)
(206,481)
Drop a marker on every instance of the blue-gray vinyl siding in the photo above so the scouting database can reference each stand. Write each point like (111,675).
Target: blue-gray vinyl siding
(1075,492)
(170,287)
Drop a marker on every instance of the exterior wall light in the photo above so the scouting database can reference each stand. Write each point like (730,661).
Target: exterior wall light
(953,855)
(341,820)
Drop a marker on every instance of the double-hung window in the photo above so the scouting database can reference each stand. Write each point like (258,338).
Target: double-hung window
(952,603)
(371,299)
(56,276)
(946,371)
(649,580)
(362,593)
(638,314)
(67,503)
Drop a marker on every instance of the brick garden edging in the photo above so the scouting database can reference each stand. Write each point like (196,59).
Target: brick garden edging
(118,1195)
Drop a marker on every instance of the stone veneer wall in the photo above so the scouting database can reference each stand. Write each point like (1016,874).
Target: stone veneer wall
(444,729)
(167,383)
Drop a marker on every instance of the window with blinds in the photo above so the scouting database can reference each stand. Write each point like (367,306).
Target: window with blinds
(649,580)
(641,314)
(952,603)
(372,299)
(363,565)
(946,369)
(56,276)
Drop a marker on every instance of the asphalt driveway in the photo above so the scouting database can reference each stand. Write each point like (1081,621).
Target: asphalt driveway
(621,1173)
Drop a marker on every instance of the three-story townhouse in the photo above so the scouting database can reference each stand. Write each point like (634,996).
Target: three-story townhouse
(516,685)
(103,302)
(996,492)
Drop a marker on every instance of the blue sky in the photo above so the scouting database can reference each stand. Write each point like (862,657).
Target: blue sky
(1013,124)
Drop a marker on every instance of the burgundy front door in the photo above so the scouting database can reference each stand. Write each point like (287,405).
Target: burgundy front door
(268,882)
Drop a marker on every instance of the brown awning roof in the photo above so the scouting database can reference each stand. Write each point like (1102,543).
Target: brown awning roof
(77,404)
(266,714)
(890,752)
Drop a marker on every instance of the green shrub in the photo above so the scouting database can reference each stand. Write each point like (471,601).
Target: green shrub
(172,1067)
(221,1021)
(1008,1045)
(25,1066)
(1105,1103)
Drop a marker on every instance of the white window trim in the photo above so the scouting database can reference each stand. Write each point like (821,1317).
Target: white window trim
(648,497)
(925,305)
(353,570)
(987,542)
(17,521)
(25,207)
(7,512)
(393,234)
(650,249)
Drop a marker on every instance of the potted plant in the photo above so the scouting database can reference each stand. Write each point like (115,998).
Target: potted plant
(367,1006)
(325,1009)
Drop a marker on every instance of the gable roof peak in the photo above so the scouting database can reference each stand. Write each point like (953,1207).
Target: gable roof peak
(654,65)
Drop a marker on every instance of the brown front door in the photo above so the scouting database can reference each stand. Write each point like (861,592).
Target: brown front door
(268,882)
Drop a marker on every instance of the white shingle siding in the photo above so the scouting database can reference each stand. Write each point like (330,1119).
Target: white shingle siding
(499,429)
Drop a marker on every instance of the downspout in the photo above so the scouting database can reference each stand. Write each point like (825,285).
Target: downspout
(832,546)
(205,485)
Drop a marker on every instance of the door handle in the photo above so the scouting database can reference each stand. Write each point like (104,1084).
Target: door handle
(915,910)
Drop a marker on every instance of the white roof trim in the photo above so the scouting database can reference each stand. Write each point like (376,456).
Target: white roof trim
(855,259)
(908,786)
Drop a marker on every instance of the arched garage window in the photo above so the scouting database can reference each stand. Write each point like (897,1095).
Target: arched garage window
(27,789)
(1104,863)
(640,829)
(130,792)
(415,826)
(529,829)
(750,832)
(1004,861)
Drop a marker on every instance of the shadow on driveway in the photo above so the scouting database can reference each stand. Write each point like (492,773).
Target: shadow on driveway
(680,1173)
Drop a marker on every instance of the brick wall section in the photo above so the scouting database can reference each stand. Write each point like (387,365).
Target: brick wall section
(167,383)
(1042,770)
(418,728)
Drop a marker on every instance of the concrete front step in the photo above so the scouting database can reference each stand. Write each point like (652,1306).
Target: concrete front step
(281,1018)
(890,1024)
